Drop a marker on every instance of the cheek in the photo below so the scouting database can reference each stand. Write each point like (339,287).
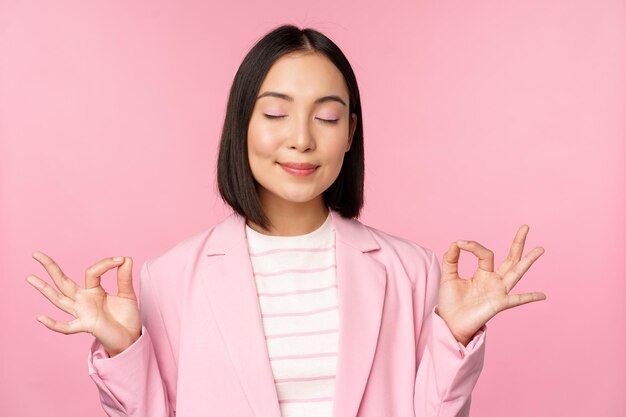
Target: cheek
(261,142)
(337,148)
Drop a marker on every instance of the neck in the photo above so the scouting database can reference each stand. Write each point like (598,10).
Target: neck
(292,219)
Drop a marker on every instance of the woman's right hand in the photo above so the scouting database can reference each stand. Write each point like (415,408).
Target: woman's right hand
(114,320)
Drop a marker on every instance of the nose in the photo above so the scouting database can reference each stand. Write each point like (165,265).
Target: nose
(302,137)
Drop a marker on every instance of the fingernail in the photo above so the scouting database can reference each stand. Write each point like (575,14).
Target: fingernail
(463,242)
(117,258)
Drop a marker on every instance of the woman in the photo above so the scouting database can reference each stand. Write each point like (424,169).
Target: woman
(291,306)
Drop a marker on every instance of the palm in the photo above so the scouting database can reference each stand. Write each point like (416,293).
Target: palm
(107,317)
(466,305)
(113,319)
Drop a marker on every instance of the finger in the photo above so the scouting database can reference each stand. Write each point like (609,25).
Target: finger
(514,300)
(450,264)
(124,279)
(484,255)
(512,277)
(516,250)
(61,301)
(60,326)
(93,273)
(63,283)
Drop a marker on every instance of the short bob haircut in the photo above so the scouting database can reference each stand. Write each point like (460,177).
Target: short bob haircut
(237,186)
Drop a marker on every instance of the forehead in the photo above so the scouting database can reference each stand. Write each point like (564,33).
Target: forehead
(303,74)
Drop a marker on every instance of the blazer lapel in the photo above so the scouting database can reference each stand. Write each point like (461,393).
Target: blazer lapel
(231,291)
(361,282)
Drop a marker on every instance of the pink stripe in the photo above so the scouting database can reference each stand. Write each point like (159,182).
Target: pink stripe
(307,400)
(309,291)
(271,251)
(295,270)
(305,313)
(307,356)
(315,378)
(279,335)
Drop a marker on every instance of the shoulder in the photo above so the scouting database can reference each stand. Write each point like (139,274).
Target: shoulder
(183,255)
(401,245)
(413,258)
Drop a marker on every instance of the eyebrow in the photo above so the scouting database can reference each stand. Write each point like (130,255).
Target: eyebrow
(289,98)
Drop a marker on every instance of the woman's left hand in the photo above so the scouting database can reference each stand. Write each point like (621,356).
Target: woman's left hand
(467,304)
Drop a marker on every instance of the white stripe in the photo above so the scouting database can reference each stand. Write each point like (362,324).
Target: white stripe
(304,367)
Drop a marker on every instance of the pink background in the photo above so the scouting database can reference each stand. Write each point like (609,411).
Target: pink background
(478,118)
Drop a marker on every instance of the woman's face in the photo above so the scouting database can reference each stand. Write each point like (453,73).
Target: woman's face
(301,116)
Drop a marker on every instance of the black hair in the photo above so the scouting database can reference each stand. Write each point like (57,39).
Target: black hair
(237,186)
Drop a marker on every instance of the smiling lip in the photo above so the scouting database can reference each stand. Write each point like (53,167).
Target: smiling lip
(297,168)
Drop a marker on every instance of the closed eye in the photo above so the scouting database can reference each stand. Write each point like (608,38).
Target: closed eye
(271,116)
(328,120)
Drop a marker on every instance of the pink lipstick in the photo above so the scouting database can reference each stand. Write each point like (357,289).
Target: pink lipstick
(299,169)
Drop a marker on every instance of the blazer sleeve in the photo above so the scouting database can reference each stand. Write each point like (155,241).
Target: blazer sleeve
(447,371)
(140,381)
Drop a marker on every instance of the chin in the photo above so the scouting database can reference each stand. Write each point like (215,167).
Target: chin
(300,200)
(298,197)
(293,192)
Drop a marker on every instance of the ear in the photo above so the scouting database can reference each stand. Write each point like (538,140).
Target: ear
(352,128)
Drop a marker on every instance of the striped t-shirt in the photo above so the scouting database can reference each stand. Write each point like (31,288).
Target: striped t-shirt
(296,283)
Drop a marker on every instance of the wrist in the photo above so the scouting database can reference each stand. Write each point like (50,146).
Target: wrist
(461,339)
(113,351)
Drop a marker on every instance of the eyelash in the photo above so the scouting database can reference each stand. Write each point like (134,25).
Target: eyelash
(271,117)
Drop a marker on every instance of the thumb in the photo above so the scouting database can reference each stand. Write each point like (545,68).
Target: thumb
(450,264)
(125,279)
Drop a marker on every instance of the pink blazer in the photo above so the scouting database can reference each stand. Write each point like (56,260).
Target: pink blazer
(202,351)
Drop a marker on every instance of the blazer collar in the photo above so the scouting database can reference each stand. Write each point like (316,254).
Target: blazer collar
(230,293)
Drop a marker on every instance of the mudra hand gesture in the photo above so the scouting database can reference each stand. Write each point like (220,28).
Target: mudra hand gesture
(467,304)
(114,320)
